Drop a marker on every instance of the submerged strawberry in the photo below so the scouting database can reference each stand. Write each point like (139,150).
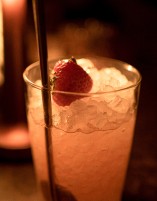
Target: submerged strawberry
(69,77)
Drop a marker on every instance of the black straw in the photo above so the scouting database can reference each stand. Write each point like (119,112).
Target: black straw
(38,8)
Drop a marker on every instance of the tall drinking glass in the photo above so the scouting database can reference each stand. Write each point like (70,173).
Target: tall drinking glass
(92,137)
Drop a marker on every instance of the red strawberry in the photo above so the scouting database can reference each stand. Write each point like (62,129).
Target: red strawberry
(69,77)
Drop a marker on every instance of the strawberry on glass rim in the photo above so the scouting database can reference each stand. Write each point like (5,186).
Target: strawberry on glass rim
(68,76)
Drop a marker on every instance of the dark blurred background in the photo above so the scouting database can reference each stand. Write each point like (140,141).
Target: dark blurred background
(121,29)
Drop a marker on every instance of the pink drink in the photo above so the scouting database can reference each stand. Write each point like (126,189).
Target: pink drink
(91,137)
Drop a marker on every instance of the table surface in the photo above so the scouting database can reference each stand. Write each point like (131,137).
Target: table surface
(17,182)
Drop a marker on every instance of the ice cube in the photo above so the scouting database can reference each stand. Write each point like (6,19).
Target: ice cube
(119,105)
(86,64)
(112,77)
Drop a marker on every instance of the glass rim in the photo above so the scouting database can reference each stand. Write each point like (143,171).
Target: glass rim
(126,66)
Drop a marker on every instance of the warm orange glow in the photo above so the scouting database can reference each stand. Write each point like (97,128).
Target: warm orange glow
(15,137)
(1,46)
(14,8)
(11,2)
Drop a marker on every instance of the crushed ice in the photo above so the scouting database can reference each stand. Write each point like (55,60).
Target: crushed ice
(105,111)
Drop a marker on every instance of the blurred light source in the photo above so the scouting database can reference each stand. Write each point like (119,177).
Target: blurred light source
(12,57)
(15,137)
(1,46)
(10,2)
(14,13)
